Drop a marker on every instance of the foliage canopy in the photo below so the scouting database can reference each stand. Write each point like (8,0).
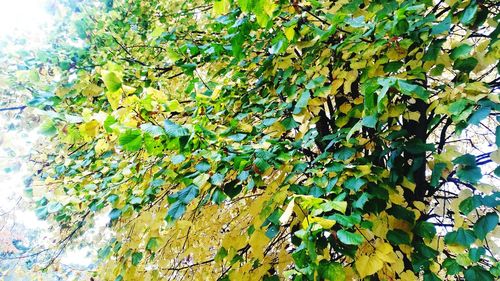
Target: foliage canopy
(261,139)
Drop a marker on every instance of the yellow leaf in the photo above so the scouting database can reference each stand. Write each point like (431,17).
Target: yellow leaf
(89,129)
(269,7)
(221,7)
(92,90)
(345,107)
(246,128)
(336,84)
(495,156)
(399,265)
(128,89)
(396,110)
(290,32)
(288,212)
(174,106)
(408,184)
(258,241)
(200,181)
(337,6)
(101,146)
(434,267)
(408,276)
(385,253)
(364,169)
(342,121)
(325,223)
(413,115)
(420,206)
(234,241)
(358,64)
(114,98)
(368,265)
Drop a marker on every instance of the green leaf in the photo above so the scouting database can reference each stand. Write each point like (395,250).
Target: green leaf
(452,267)
(279,45)
(237,137)
(485,224)
(401,213)
(115,214)
(401,27)
(203,166)
(436,173)
(497,171)
(469,13)
(477,273)
(466,159)
(370,102)
(469,204)
(237,45)
(110,120)
(302,102)
(153,130)
(397,237)
(347,221)
(424,251)
(469,174)
(425,229)
(176,210)
(131,140)
(217,179)
(136,258)
(111,80)
(349,238)
(54,207)
(316,82)
(413,90)
(356,22)
(48,128)
(433,51)
(437,70)
(152,244)
(393,66)
(153,146)
(479,115)
(344,153)
(361,201)
(464,237)
(476,253)
(431,276)
(354,183)
(175,130)
(177,159)
(187,194)
(331,271)
(442,26)
(460,52)
(334,205)
(188,68)
(261,164)
(457,107)
(104,252)
(465,65)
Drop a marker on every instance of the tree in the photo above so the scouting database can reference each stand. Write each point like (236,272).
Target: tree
(246,140)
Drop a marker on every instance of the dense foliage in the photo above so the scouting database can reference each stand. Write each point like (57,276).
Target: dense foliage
(272,139)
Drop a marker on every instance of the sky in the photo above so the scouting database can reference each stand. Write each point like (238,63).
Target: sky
(23,16)
(18,18)
(31,20)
